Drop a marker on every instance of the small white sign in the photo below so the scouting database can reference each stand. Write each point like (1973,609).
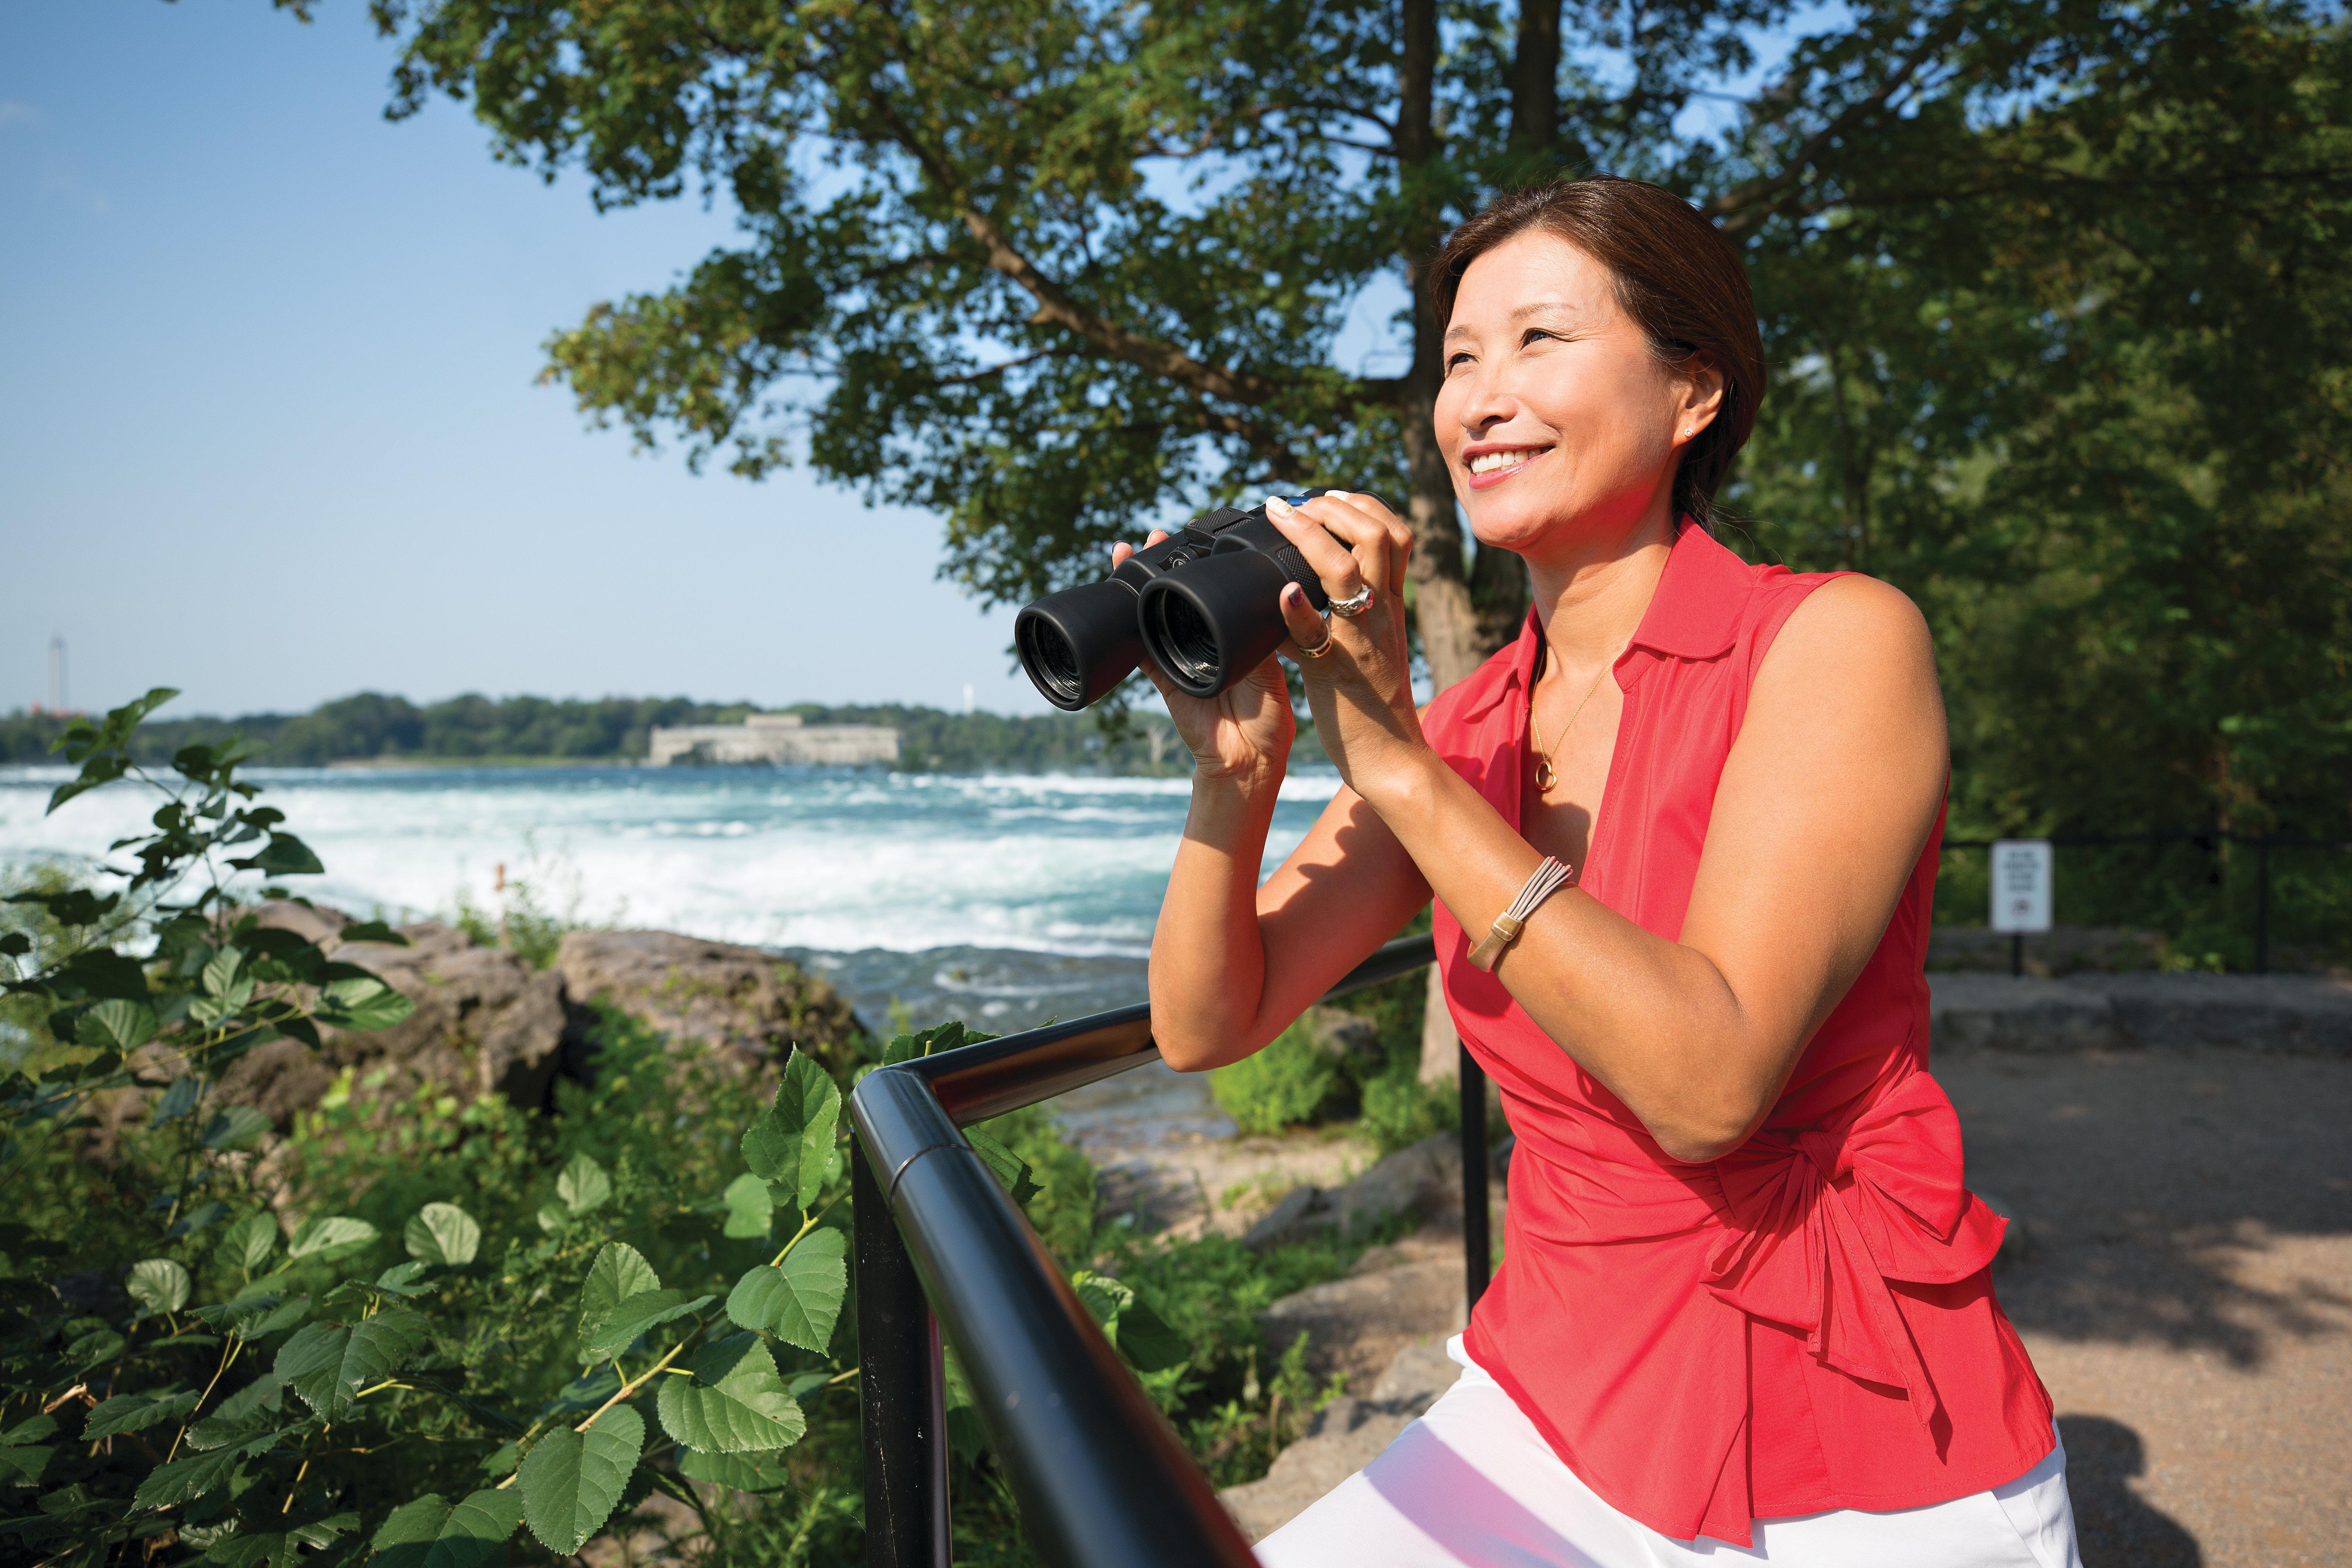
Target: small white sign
(2021,884)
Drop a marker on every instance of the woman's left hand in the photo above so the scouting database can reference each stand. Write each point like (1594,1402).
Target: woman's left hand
(1360,689)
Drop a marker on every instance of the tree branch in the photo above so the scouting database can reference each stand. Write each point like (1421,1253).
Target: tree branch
(1054,306)
(1740,207)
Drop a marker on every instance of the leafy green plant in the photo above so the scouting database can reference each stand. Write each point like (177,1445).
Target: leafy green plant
(1285,1084)
(228,1386)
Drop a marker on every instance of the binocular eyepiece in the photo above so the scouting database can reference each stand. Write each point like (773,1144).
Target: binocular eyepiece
(1204,603)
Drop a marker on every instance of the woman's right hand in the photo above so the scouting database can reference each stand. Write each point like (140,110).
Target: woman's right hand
(1242,736)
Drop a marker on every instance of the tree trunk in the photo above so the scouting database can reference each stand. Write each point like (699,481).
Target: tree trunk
(1464,612)
(1535,79)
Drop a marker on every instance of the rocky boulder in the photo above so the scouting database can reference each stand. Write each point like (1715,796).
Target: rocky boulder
(486,1022)
(1346,1435)
(739,998)
(1424,1180)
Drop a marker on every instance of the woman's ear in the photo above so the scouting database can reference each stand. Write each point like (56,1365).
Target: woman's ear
(1702,399)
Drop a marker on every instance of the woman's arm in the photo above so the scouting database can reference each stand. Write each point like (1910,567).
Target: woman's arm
(1829,794)
(1231,962)
(1827,798)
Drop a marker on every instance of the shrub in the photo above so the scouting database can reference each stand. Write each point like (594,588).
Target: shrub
(1287,1084)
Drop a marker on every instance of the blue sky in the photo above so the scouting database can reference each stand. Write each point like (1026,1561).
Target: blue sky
(268,425)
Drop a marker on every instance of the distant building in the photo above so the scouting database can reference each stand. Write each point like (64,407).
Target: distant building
(775,738)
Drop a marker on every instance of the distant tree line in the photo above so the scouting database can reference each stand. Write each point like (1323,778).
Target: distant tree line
(372,727)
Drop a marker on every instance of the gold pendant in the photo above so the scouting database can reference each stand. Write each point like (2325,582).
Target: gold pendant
(1545,777)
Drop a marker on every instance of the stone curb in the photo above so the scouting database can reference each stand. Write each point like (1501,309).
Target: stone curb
(2295,1014)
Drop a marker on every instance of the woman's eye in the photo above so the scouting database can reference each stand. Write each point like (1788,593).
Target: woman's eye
(1535,334)
(1455,362)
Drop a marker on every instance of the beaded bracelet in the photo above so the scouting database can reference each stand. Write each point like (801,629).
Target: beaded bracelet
(1549,879)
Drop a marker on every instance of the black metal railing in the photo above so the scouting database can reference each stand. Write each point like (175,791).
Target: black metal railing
(1102,1480)
(2205,837)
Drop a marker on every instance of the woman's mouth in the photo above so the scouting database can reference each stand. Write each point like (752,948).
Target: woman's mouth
(1490,468)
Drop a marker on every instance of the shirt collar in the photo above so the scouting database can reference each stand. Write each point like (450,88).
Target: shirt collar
(1693,614)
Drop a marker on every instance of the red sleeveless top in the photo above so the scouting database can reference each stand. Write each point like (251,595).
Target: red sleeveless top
(1807,1323)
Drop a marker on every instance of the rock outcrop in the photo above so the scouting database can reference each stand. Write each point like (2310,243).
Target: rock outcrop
(486,1022)
(738,998)
(1345,1435)
(1424,1180)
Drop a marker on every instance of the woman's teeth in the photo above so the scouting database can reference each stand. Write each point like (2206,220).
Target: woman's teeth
(1488,462)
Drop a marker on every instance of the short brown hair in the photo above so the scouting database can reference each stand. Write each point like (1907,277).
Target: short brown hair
(1677,277)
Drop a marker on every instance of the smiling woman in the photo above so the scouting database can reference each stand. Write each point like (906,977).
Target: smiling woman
(1682,838)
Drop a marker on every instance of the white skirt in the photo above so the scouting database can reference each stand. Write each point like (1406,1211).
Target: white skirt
(1473,1484)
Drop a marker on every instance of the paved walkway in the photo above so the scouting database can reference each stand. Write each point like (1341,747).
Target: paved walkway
(2188,1293)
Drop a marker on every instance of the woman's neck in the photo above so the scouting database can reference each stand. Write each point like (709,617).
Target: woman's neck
(1591,596)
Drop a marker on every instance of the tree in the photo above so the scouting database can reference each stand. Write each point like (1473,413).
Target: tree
(1050,270)
(2048,283)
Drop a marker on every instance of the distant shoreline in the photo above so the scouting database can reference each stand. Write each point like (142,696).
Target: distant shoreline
(420,762)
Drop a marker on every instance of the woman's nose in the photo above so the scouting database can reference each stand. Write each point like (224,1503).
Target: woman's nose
(1489,400)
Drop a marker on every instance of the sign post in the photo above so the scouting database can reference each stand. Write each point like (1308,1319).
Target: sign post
(2020,892)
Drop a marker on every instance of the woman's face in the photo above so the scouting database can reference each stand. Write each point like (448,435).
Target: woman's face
(1560,425)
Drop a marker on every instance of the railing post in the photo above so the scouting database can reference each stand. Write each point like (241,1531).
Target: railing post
(2262,904)
(901,1389)
(1478,1249)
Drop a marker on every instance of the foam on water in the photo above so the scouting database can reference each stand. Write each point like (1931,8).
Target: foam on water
(834,862)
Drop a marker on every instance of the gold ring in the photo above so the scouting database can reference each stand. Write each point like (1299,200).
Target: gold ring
(1319,649)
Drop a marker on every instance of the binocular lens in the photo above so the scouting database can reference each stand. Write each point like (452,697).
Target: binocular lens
(1179,633)
(1051,661)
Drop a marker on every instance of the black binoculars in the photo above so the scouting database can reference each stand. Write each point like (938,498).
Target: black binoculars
(1204,603)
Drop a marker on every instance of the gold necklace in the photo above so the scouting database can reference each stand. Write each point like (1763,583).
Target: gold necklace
(1546,776)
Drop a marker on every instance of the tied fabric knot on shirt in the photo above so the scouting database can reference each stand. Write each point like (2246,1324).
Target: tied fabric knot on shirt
(1822,1218)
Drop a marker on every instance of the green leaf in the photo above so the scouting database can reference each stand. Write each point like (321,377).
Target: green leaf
(749,1210)
(16,943)
(734,1402)
(571,1481)
(442,1233)
(1146,1339)
(584,1186)
(32,1429)
(327,1365)
(220,975)
(159,1285)
(1011,1169)
(102,768)
(799,1299)
(619,1327)
(249,1242)
(239,1124)
(618,1273)
(406,1279)
(1128,1321)
(135,1413)
(744,1472)
(320,1235)
(286,856)
(293,1312)
(790,1143)
(281,1548)
(372,930)
(431,1533)
(22,1466)
(362,1003)
(198,1474)
(178,1100)
(117,1025)
(93,1347)
(103,971)
(74,907)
